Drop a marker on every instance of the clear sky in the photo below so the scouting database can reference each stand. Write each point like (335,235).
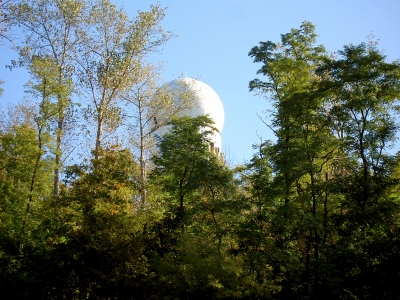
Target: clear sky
(215,36)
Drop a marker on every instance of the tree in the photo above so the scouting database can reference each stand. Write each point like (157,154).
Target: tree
(90,236)
(153,108)
(24,176)
(305,146)
(198,192)
(113,60)
(95,45)
(53,30)
(187,143)
(365,89)
(26,188)
(101,217)
(328,177)
(27,127)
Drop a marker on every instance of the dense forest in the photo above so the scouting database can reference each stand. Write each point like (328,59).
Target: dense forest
(313,215)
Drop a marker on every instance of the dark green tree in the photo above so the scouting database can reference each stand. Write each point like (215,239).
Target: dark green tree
(189,245)
(364,90)
(329,177)
(301,156)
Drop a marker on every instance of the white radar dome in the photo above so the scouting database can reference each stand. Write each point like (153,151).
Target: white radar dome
(206,102)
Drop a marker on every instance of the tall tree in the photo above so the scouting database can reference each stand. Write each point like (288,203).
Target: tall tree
(113,60)
(289,67)
(364,90)
(198,192)
(305,144)
(53,29)
(329,170)
(152,107)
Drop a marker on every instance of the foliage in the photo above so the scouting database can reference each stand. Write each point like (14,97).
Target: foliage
(151,108)
(114,61)
(319,197)
(52,32)
(195,230)
(313,215)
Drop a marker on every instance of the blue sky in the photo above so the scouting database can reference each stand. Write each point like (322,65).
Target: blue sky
(214,38)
